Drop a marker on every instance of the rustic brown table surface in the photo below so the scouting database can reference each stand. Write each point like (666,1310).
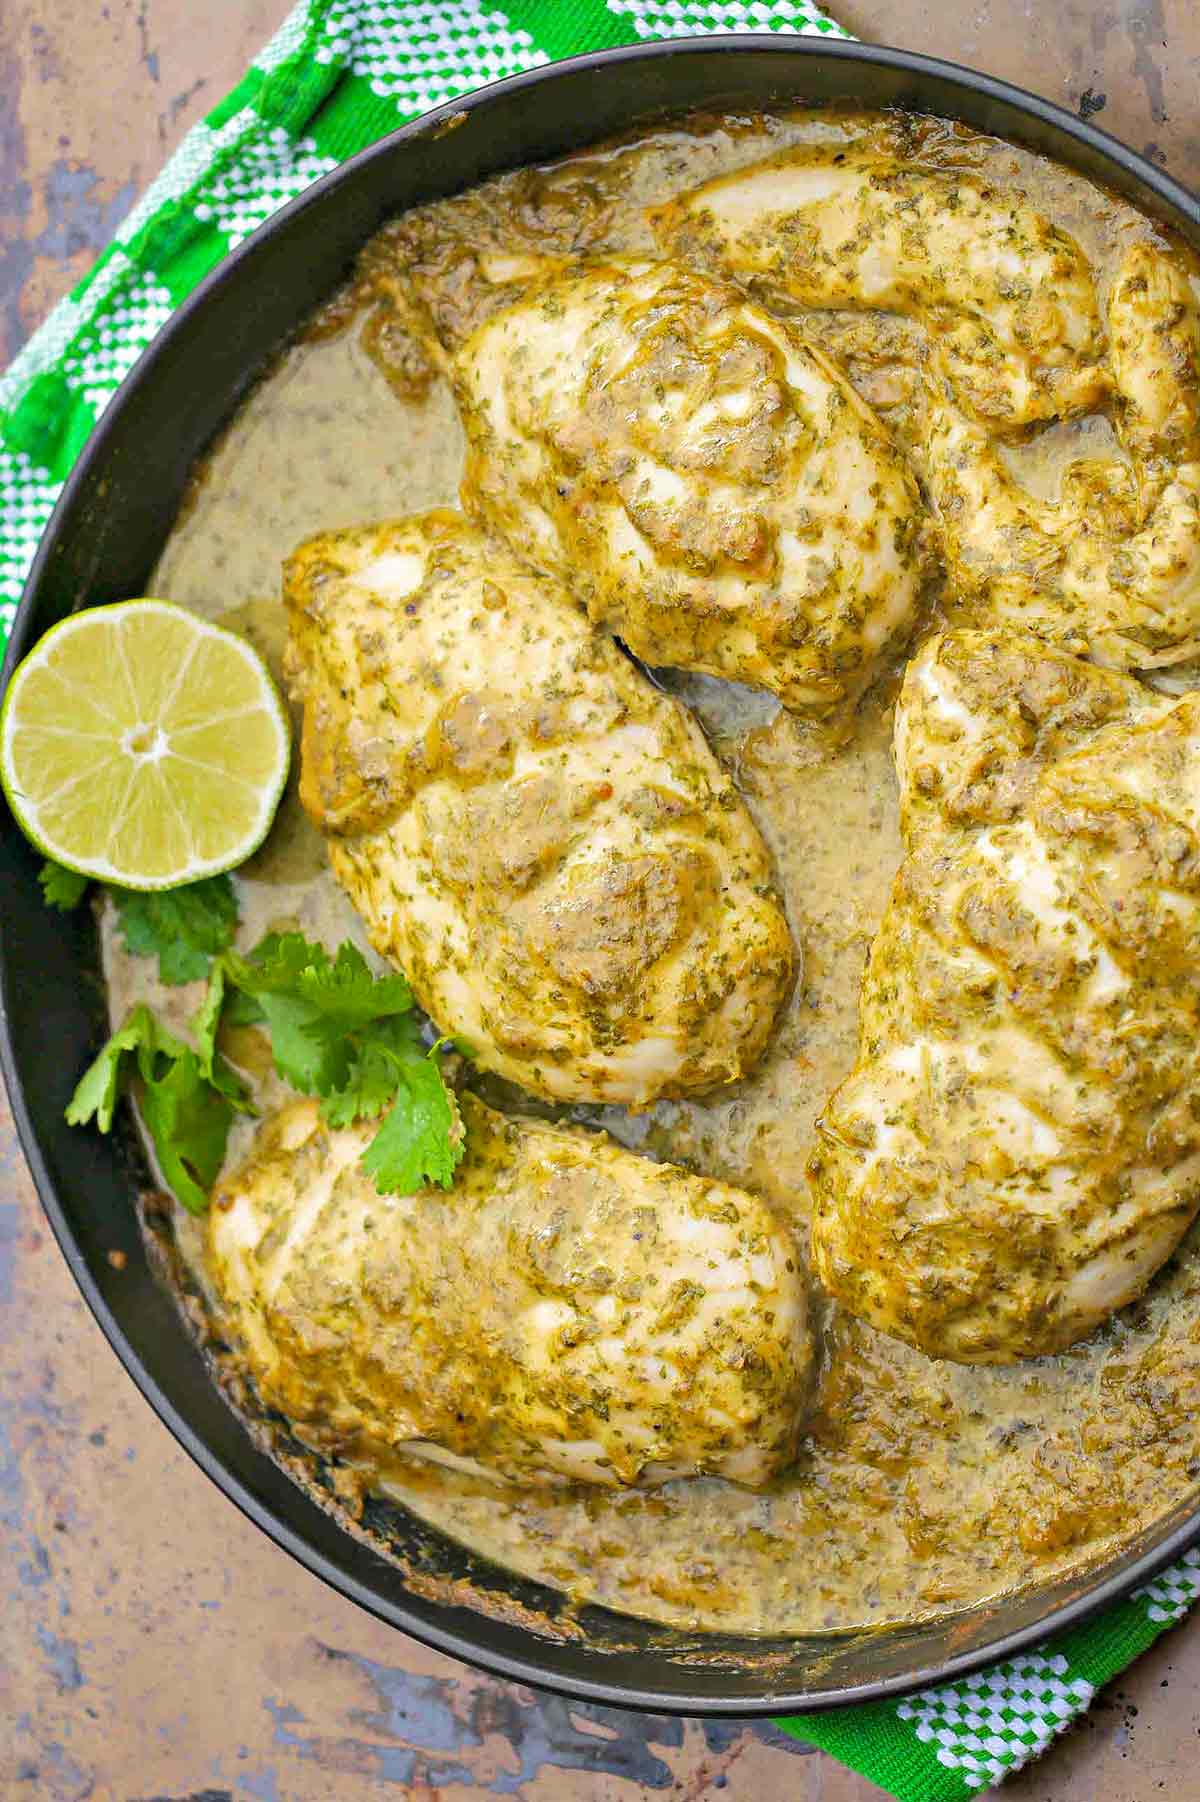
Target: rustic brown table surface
(155,1644)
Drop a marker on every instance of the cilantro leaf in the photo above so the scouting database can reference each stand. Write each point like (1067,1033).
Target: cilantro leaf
(347,988)
(276,963)
(310,1053)
(205,1022)
(62,888)
(242,1009)
(351,1037)
(375,1069)
(421,1139)
(187,1108)
(189,1120)
(313,1003)
(184,927)
(207,1018)
(96,1093)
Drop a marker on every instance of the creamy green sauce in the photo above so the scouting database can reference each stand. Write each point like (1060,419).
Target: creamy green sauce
(920,1485)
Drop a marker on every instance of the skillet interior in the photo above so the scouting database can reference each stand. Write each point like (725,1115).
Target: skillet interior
(102,542)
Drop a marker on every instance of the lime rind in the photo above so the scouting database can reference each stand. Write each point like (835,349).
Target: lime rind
(92,706)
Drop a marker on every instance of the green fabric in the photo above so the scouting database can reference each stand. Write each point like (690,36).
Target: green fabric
(337,75)
(959,1739)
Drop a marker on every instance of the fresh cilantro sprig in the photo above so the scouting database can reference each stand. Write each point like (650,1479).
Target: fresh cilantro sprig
(351,1037)
(188,1095)
(188,1100)
(314,1005)
(337,1031)
(421,1140)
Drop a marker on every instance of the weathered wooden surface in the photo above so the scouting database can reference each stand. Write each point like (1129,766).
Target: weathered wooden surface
(155,1644)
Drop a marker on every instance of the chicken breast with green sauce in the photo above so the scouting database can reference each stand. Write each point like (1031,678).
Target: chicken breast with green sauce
(536,835)
(1017,1149)
(703,478)
(1007,298)
(570,1311)
(1112,568)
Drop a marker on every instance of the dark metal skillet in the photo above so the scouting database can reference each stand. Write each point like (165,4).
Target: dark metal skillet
(101,544)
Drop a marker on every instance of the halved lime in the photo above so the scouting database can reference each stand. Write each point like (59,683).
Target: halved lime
(143,746)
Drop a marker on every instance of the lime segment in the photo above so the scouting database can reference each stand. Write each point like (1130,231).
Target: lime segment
(143,746)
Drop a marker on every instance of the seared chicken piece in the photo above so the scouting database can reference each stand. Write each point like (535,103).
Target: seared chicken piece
(1113,571)
(1155,355)
(570,1311)
(709,485)
(1007,298)
(540,839)
(1017,1149)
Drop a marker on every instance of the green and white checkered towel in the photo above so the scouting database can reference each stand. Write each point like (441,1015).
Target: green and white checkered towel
(338,75)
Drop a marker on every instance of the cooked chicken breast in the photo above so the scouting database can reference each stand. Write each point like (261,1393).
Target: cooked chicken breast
(709,485)
(1007,298)
(1112,571)
(1017,1148)
(570,1310)
(539,838)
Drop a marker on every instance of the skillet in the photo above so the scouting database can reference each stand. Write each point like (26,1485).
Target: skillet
(101,544)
